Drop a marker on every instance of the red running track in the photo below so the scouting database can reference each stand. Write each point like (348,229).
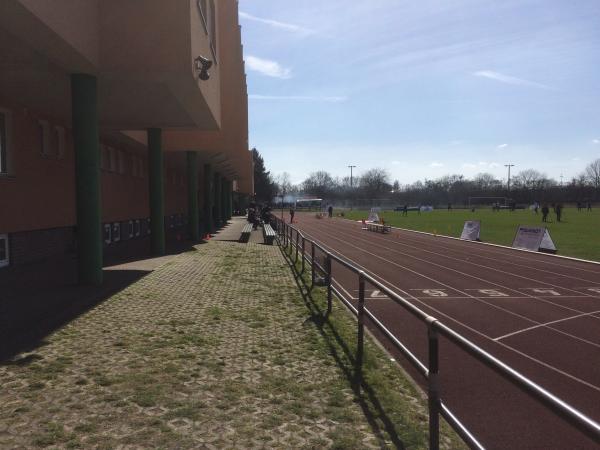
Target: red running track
(538,313)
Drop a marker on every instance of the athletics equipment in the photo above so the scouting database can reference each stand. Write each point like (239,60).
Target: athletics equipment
(471,230)
(536,239)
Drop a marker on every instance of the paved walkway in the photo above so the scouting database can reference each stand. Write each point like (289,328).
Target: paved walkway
(210,350)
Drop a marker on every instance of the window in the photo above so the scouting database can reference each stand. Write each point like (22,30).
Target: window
(59,141)
(107,233)
(213,28)
(3,250)
(203,11)
(44,133)
(112,166)
(3,142)
(121,158)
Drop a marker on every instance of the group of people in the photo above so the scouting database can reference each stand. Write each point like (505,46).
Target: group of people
(258,213)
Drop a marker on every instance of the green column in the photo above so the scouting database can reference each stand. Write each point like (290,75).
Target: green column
(84,101)
(218,201)
(192,178)
(230,199)
(223,201)
(157,197)
(208,199)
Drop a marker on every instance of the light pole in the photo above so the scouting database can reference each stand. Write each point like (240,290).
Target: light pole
(351,167)
(509,166)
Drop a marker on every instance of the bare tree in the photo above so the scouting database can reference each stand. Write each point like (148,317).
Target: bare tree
(486,181)
(319,183)
(375,182)
(530,179)
(284,184)
(592,173)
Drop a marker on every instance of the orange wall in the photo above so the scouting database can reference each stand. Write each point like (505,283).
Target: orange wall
(40,191)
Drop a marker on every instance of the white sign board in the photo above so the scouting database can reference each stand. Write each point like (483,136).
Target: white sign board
(374,215)
(471,230)
(534,238)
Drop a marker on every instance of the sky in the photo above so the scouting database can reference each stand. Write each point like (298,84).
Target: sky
(423,88)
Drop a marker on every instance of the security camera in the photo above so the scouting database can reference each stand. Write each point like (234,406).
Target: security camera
(203,65)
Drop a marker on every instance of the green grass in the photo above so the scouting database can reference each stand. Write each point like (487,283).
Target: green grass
(577,235)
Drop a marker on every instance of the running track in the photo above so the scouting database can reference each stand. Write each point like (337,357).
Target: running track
(539,314)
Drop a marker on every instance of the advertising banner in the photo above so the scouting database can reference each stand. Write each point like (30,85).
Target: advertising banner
(471,230)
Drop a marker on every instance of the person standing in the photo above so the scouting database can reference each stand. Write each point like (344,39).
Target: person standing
(292,212)
(545,211)
(589,206)
(558,210)
(330,211)
(405,210)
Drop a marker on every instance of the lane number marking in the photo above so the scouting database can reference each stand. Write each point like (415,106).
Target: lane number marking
(546,291)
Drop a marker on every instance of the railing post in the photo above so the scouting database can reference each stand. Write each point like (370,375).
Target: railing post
(303,254)
(361,331)
(297,242)
(312,264)
(328,274)
(433,387)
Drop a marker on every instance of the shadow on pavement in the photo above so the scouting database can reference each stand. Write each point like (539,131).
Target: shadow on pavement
(320,319)
(40,298)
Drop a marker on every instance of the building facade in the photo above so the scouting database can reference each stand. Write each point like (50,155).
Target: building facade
(123,125)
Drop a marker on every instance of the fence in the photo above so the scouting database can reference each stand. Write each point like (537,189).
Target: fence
(291,237)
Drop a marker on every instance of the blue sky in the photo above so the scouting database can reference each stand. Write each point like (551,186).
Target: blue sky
(423,88)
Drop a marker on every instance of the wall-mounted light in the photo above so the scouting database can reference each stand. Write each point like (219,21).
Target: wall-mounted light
(202,65)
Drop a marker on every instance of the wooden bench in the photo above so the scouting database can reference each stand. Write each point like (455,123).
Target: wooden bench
(379,228)
(245,237)
(268,234)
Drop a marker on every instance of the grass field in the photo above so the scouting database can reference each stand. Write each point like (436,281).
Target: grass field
(577,235)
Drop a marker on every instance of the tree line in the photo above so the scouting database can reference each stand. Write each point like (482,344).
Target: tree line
(375,185)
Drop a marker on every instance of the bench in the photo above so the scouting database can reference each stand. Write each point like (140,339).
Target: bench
(245,237)
(378,227)
(268,234)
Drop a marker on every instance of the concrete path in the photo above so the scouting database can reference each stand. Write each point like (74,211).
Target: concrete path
(210,350)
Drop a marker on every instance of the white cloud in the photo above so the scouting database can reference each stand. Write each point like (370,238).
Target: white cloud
(436,164)
(469,166)
(268,68)
(501,146)
(502,78)
(277,24)
(396,163)
(596,141)
(299,98)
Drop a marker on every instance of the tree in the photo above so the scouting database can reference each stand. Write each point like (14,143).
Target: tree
(264,187)
(530,179)
(375,182)
(592,173)
(396,186)
(284,184)
(486,181)
(319,183)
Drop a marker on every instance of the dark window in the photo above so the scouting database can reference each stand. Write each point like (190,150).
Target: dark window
(213,28)
(3,250)
(3,132)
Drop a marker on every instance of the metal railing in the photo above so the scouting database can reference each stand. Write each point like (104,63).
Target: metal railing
(435,328)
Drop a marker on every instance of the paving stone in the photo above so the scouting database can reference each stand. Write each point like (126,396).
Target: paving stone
(208,351)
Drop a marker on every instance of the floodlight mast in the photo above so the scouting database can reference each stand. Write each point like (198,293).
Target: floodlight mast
(509,166)
(351,167)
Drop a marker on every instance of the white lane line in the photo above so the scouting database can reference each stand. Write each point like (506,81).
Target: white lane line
(465,293)
(465,261)
(545,324)
(536,256)
(442,314)
(558,305)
